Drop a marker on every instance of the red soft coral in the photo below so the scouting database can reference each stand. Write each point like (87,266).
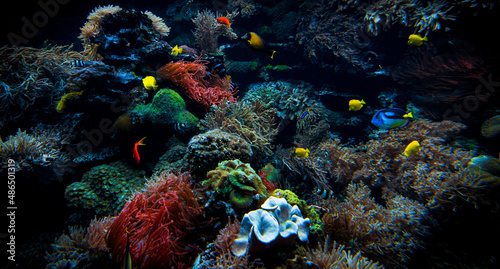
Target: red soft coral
(159,220)
(193,77)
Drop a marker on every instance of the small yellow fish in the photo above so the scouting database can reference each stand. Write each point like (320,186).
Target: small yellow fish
(301,153)
(355,105)
(150,83)
(408,116)
(416,40)
(412,148)
(176,50)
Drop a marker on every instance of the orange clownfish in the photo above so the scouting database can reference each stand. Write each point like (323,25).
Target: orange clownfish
(136,153)
(224,20)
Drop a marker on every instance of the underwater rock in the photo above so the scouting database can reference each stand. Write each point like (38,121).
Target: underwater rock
(276,223)
(206,150)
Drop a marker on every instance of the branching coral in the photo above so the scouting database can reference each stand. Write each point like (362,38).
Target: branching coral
(339,258)
(208,30)
(193,78)
(291,101)
(410,13)
(159,220)
(251,121)
(327,34)
(387,234)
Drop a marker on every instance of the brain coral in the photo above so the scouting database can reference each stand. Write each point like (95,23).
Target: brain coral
(237,181)
(206,150)
(167,107)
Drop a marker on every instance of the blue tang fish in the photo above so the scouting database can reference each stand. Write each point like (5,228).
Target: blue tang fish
(389,118)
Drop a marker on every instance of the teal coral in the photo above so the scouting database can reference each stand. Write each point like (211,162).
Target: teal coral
(167,107)
(104,188)
(235,181)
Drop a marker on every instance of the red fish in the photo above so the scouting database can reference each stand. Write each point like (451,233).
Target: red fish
(224,20)
(136,153)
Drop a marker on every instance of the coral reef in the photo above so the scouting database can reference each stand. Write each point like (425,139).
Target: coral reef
(339,258)
(253,122)
(208,30)
(125,37)
(290,100)
(491,127)
(167,107)
(316,225)
(277,223)
(247,7)
(385,233)
(69,251)
(207,149)
(97,233)
(104,188)
(235,182)
(193,78)
(33,151)
(159,220)
(328,35)
(27,74)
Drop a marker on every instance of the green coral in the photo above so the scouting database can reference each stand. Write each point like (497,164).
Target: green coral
(279,67)
(104,188)
(309,212)
(167,107)
(235,181)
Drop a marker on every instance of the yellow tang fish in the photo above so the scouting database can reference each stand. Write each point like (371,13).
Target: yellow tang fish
(256,43)
(355,105)
(301,153)
(150,83)
(412,148)
(176,50)
(416,40)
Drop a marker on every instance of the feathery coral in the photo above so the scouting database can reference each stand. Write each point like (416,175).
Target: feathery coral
(191,76)
(159,220)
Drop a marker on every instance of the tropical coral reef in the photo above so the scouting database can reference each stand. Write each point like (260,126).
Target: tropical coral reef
(207,149)
(33,151)
(208,30)
(167,107)
(104,188)
(160,219)
(277,223)
(235,182)
(252,121)
(124,37)
(338,257)
(27,74)
(385,233)
(193,78)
